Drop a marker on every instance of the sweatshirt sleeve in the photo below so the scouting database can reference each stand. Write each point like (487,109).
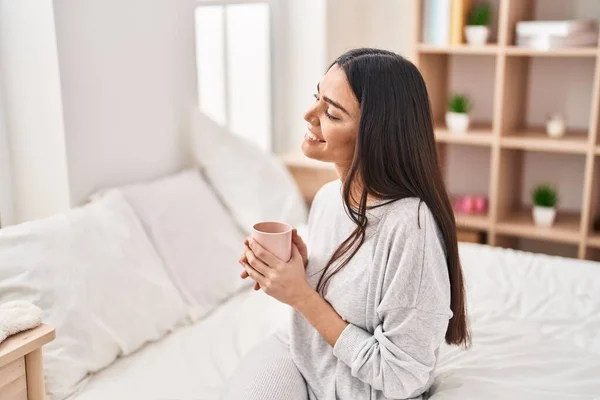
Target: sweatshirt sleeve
(398,358)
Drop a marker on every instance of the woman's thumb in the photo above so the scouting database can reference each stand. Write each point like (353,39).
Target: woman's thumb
(296,238)
(295,252)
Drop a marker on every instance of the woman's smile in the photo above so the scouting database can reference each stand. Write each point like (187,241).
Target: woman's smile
(311,137)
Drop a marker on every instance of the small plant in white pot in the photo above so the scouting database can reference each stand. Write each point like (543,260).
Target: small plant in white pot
(545,199)
(457,116)
(477,30)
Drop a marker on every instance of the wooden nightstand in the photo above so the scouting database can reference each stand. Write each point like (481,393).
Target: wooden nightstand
(21,367)
(309,174)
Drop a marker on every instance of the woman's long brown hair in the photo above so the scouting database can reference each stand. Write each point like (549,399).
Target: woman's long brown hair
(396,158)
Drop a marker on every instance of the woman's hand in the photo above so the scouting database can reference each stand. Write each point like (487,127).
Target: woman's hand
(285,282)
(296,240)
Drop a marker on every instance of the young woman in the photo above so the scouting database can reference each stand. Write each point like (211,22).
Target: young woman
(382,287)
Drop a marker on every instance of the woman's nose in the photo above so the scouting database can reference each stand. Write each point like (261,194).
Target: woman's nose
(311,116)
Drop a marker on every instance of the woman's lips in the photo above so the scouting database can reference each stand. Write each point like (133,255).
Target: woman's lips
(311,137)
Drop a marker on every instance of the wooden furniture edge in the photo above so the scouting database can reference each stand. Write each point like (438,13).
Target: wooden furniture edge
(23,343)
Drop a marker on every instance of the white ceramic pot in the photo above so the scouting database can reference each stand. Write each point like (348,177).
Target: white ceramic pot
(457,122)
(477,35)
(544,216)
(556,127)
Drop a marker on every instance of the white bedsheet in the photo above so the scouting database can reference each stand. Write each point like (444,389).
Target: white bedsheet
(194,362)
(536,335)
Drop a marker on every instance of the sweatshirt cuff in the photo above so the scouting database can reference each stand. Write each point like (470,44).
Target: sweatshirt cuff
(349,344)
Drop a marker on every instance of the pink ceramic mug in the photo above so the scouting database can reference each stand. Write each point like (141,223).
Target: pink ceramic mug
(275,237)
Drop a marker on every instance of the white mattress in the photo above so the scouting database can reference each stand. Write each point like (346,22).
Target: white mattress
(535,322)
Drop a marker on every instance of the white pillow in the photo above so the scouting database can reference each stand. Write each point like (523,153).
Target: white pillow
(99,281)
(196,237)
(254,185)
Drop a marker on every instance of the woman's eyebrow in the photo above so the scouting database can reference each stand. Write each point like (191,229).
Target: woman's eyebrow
(333,103)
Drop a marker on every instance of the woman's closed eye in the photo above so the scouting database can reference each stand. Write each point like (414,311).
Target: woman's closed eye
(327,114)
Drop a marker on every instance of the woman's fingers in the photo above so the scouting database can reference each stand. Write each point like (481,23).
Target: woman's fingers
(244,263)
(263,254)
(258,278)
(255,262)
(297,240)
(295,237)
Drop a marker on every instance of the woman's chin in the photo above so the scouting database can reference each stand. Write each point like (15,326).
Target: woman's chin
(313,150)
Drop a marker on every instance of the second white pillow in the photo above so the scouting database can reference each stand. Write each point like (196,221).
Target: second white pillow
(253,184)
(196,237)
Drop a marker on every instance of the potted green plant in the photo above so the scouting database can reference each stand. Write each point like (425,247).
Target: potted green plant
(545,199)
(477,30)
(457,116)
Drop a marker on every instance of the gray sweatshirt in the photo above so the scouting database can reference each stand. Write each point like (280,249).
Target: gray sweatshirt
(394,293)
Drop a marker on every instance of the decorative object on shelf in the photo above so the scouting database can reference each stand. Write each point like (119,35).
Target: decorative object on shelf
(471,204)
(481,205)
(546,35)
(597,223)
(436,22)
(459,15)
(457,116)
(545,199)
(556,126)
(477,31)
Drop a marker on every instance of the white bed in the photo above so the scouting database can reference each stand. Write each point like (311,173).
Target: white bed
(535,322)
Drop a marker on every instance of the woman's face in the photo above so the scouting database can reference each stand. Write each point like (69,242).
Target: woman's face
(333,120)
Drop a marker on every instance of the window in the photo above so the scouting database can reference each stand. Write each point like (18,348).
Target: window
(233,54)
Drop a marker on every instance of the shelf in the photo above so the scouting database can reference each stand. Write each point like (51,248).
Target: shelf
(489,49)
(564,52)
(472,221)
(477,135)
(594,240)
(492,49)
(538,140)
(520,224)
(513,88)
(298,159)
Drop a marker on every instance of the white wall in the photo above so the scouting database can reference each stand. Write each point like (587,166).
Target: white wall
(302,63)
(390,24)
(31,90)
(129,80)
(347,26)
(387,24)
(316,33)
(7,210)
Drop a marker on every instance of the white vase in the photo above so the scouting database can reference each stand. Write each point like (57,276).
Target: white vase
(556,127)
(457,122)
(544,216)
(477,35)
